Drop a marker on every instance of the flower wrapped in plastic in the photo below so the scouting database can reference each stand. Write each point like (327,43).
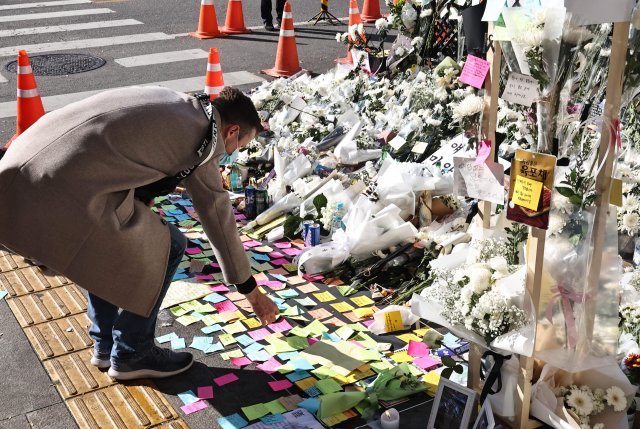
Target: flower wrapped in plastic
(390,385)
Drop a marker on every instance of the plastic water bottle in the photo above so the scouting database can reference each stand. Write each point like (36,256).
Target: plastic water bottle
(338,215)
(236,179)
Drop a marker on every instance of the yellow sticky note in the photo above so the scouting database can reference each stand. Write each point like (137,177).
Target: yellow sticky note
(363,312)
(306,383)
(232,354)
(527,192)
(226,339)
(419,147)
(211,319)
(342,307)
(362,301)
(186,320)
(432,380)
(393,321)
(324,296)
(402,357)
(252,323)
(615,197)
(409,337)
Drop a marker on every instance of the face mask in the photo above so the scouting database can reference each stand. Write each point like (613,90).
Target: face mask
(230,159)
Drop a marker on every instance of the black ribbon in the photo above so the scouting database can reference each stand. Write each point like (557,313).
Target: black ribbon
(493,376)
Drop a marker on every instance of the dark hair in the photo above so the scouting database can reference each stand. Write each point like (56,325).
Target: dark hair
(236,108)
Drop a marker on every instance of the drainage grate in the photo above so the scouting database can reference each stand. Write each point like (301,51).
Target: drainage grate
(60,64)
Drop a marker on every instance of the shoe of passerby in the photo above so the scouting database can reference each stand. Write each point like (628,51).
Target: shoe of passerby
(154,363)
(101,360)
(269,26)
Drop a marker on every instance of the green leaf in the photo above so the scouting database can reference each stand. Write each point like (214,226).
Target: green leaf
(458,368)
(291,226)
(320,202)
(448,361)
(565,192)
(446,373)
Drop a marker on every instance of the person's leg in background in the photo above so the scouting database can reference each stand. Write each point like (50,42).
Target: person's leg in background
(279,11)
(102,315)
(134,353)
(265,13)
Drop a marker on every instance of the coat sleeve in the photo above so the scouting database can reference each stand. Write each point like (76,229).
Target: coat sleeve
(213,205)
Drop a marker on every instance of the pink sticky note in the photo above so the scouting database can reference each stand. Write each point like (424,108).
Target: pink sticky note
(252,243)
(205,392)
(483,152)
(312,341)
(225,306)
(204,277)
(193,250)
(417,349)
(309,278)
(283,245)
(475,71)
(192,408)
(292,251)
(225,379)
(280,261)
(356,343)
(275,285)
(241,361)
(426,362)
(277,386)
(215,265)
(281,326)
(259,334)
(270,366)
(276,255)
(368,323)
(219,288)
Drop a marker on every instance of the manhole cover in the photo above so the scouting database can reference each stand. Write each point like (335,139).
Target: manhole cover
(60,64)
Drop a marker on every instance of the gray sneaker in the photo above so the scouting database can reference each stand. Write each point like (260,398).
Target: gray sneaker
(100,360)
(154,363)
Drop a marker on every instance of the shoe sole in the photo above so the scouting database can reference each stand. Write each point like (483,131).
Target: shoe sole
(100,363)
(145,373)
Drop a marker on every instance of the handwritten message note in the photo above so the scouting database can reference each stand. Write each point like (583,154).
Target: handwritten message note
(527,192)
(521,89)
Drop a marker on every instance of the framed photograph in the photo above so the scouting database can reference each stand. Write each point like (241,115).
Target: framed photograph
(452,407)
(485,419)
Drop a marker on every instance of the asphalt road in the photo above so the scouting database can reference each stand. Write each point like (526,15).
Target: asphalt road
(166,23)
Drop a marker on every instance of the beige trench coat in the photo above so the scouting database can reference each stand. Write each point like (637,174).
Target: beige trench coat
(66,192)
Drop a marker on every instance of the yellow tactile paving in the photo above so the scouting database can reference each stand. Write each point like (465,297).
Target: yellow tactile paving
(73,374)
(52,312)
(47,305)
(122,407)
(60,337)
(28,280)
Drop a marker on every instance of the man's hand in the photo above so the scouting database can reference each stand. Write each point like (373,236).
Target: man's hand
(266,310)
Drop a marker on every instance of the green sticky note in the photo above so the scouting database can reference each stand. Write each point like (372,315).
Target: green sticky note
(298,343)
(328,385)
(178,311)
(211,319)
(254,412)
(324,372)
(344,332)
(381,366)
(300,331)
(275,407)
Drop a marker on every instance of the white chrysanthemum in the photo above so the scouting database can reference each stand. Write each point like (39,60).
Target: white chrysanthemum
(417,41)
(577,35)
(562,204)
(531,38)
(469,106)
(630,220)
(616,398)
(605,52)
(479,279)
(556,224)
(499,264)
(409,16)
(400,51)
(580,401)
(382,24)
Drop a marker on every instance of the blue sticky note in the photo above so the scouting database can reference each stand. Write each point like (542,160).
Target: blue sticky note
(259,256)
(178,343)
(450,340)
(166,338)
(234,421)
(197,315)
(288,355)
(184,202)
(279,277)
(310,404)
(214,298)
(201,343)
(245,340)
(301,364)
(3,294)
(253,348)
(215,347)
(211,329)
(276,300)
(313,391)
(188,397)
(298,375)
(272,419)
(331,337)
(259,356)
(182,217)
(180,276)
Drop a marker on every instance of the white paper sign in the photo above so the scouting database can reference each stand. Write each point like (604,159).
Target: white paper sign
(493,10)
(484,181)
(585,12)
(444,155)
(521,89)
(397,142)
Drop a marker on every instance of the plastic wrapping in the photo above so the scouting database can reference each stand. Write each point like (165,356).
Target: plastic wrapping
(379,327)
(299,167)
(347,150)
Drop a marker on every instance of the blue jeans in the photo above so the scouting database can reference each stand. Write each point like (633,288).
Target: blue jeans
(123,334)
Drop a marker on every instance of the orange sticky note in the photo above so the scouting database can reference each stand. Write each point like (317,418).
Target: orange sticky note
(393,321)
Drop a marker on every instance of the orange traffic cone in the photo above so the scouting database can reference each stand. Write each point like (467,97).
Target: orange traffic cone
(371,11)
(208,22)
(235,19)
(214,81)
(287,63)
(28,102)
(354,19)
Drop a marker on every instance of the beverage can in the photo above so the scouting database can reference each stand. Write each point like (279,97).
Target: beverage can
(262,200)
(250,202)
(314,235)
(305,231)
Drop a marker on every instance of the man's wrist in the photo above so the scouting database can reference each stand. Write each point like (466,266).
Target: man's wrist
(248,286)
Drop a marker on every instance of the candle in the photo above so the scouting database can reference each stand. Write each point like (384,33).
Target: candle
(390,419)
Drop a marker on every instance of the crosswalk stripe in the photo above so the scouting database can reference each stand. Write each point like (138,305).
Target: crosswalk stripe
(3,79)
(47,15)
(68,27)
(85,43)
(162,57)
(192,84)
(43,4)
